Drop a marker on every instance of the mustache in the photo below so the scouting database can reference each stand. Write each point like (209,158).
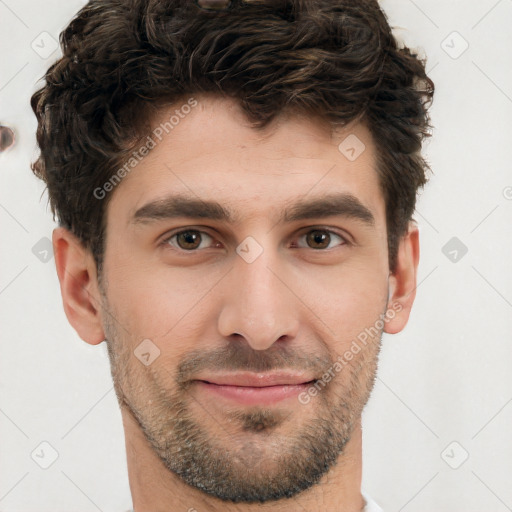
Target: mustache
(238,357)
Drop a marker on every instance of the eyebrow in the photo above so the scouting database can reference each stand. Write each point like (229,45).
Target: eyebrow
(341,204)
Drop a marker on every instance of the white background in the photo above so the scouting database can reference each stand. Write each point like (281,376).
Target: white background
(446,378)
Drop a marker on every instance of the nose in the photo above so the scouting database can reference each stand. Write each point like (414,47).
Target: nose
(259,303)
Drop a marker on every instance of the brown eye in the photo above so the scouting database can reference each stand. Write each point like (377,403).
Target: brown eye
(321,239)
(188,240)
(318,239)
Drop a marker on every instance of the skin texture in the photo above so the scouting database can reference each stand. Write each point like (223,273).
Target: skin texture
(298,306)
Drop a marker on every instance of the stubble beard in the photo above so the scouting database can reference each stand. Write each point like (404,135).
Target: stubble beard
(260,463)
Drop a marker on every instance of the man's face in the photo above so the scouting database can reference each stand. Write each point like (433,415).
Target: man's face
(246,314)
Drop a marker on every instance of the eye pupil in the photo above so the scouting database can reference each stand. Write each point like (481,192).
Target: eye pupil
(188,237)
(318,237)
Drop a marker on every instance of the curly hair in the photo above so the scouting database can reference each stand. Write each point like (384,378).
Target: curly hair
(124,59)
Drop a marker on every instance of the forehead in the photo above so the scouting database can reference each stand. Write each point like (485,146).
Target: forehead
(207,148)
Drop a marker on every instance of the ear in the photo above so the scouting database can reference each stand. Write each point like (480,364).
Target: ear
(402,282)
(76,269)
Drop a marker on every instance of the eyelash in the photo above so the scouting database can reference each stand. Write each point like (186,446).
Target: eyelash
(166,243)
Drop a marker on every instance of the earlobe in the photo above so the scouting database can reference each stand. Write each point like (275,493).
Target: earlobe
(402,282)
(76,271)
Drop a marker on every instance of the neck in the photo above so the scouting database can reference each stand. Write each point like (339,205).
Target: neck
(156,489)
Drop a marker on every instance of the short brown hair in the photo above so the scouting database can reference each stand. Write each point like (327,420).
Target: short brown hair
(122,59)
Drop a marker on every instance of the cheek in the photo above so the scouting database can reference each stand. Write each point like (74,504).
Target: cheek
(164,305)
(346,301)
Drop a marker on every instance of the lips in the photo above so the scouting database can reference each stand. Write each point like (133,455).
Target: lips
(258,380)
(255,388)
